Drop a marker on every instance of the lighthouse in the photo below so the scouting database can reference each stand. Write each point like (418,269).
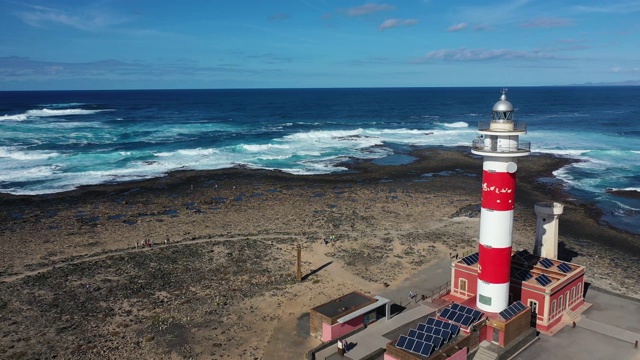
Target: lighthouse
(499,145)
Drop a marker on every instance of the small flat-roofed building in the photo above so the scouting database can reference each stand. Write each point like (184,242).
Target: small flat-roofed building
(340,316)
(549,287)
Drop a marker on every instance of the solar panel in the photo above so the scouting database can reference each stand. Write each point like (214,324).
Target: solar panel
(455,329)
(459,318)
(439,323)
(412,333)
(430,329)
(417,346)
(471,259)
(402,340)
(421,335)
(427,349)
(475,314)
(431,321)
(452,315)
(523,275)
(443,333)
(422,327)
(467,320)
(546,263)
(513,310)
(543,280)
(518,305)
(522,255)
(446,312)
(409,344)
(435,340)
(565,268)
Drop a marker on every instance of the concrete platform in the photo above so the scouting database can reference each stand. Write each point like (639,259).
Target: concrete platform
(607,330)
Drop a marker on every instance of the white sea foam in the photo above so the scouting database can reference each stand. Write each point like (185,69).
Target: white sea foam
(62,112)
(569,153)
(28,174)
(263,147)
(17,117)
(459,124)
(16,154)
(625,206)
(187,152)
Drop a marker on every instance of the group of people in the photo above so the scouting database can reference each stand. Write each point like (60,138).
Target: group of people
(343,347)
(148,243)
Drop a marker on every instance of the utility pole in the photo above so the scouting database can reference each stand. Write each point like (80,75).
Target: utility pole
(299,265)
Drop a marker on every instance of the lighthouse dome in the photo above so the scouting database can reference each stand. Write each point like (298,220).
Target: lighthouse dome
(503,105)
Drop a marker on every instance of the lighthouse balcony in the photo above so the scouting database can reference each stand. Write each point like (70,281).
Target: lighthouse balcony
(493,148)
(502,127)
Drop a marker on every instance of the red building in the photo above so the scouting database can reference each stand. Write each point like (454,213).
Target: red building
(549,287)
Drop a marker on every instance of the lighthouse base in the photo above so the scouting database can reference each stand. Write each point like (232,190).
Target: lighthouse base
(492,297)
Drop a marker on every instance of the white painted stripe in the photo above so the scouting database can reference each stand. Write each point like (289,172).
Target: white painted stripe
(498,293)
(497,164)
(496,228)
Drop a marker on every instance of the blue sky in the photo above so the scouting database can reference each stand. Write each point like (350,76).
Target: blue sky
(140,44)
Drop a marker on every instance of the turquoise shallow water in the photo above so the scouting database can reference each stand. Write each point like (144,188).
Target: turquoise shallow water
(57,141)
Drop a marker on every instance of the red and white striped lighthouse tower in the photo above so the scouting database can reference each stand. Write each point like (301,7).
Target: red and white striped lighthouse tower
(500,147)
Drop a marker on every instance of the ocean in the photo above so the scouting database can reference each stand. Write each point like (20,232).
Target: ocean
(55,141)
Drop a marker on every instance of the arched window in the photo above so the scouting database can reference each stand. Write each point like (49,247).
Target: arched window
(462,285)
(579,290)
(553,309)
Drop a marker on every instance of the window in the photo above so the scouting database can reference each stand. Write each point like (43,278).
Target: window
(573,294)
(566,299)
(560,304)
(462,285)
(534,306)
(553,309)
(579,292)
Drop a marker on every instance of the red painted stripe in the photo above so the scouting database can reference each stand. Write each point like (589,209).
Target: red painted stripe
(498,190)
(494,265)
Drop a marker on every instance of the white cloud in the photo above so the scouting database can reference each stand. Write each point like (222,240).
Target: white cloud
(548,23)
(612,8)
(458,27)
(368,9)
(89,19)
(391,23)
(621,70)
(464,54)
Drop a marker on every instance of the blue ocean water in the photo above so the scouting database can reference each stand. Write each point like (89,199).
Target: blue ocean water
(55,141)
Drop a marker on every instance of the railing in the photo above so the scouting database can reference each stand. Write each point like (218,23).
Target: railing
(479,144)
(517,126)
(439,292)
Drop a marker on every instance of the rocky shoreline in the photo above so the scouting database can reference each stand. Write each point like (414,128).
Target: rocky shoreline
(219,280)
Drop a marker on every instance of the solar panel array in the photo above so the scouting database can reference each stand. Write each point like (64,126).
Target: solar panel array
(513,310)
(565,268)
(439,324)
(460,314)
(546,263)
(543,280)
(414,345)
(471,259)
(432,339)
(428,336)
(475,314)
(522,255)
(523,275)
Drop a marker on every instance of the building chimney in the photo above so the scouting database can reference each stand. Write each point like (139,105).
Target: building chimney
(547,229)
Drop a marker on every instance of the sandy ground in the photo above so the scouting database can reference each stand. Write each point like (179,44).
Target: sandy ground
(219,281)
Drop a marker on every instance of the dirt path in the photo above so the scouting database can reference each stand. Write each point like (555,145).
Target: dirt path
(15,277)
